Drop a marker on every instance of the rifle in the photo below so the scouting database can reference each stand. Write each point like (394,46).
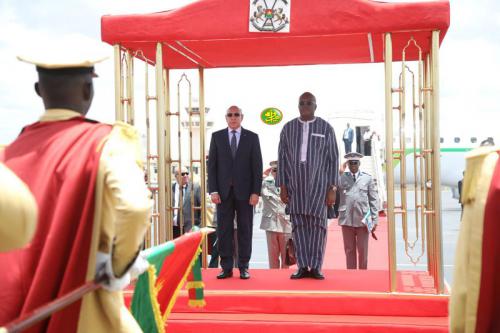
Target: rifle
(46,310)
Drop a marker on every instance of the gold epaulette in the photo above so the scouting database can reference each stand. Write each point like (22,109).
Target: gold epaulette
(473,171)
(123,138)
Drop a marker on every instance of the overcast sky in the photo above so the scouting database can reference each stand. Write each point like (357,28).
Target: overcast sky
(470,63)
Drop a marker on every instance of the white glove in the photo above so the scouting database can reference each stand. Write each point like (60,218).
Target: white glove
(140,265)
(103,263)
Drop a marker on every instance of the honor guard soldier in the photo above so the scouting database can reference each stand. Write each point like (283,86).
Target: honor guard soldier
(93,203)
(475,294)
(274,220)
(358,203)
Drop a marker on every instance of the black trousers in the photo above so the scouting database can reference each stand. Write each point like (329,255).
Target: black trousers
(177,231)
(214,254)
(225,231)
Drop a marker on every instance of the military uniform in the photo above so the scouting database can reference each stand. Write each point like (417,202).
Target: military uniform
(475,294)
(358,196)
(18,211)
(94,207)
(276,224)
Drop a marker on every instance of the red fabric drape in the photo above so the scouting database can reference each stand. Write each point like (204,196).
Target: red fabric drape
(59,163)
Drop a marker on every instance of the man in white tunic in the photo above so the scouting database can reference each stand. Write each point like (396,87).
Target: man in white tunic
(307,176)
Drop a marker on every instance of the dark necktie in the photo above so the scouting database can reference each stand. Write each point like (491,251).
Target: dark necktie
(354,177)
(233,143)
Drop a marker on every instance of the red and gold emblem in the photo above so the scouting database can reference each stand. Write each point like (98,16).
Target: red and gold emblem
(269,16)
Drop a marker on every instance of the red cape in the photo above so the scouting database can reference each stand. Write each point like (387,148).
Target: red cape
(59,163)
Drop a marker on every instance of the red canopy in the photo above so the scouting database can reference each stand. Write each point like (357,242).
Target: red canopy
(215,33)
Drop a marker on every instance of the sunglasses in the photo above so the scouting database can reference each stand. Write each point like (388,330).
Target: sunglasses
(184,173)
(353,162)
(274,170)
(233,115)
(308,103)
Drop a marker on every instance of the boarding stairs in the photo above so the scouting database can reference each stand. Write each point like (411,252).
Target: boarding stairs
(373,165)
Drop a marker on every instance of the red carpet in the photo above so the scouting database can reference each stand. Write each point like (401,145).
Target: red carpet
(377,249)
(346,301)
(273,323)
(342,292)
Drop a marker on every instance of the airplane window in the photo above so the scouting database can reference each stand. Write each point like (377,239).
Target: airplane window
(473,140)
(457,140)
(441,140)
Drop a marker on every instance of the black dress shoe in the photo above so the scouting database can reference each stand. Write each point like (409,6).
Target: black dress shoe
(300,274)
(316,274)
(225,274)
(244,275)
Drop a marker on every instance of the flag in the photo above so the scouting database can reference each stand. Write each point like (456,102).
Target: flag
(156,289)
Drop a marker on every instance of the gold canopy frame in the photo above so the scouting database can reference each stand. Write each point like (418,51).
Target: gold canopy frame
(425,149)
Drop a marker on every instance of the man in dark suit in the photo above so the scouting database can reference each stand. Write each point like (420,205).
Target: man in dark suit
(182,190)
(234,183)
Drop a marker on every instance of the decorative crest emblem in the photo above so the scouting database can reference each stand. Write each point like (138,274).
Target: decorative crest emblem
(269,16)
(271,116)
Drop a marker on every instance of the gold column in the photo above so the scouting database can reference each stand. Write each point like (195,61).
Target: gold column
(150,241)
(154,190)
(203,176)
(436,182)
(389,161)
(428,169)
(168,153)
(130,89)
(403,210)
(118,83)
(180,215)
(160,133)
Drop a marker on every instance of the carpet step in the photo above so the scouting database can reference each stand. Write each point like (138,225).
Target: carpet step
(360,304)
(267,323)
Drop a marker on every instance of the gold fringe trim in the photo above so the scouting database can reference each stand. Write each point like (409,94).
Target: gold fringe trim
(153,295)
(195,285)
(197,303)
(182,282)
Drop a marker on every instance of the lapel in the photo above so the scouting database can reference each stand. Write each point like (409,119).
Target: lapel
(187,195)
(225,141)
(243,140)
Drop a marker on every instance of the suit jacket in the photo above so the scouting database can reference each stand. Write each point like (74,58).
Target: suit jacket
(356,198)
(186,205)
(244,172)
(350,135)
